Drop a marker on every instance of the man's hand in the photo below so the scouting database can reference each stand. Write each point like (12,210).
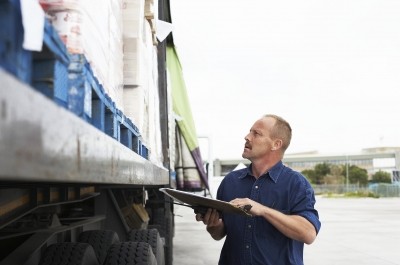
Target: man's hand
(250,206)
(215,225)
(209,218)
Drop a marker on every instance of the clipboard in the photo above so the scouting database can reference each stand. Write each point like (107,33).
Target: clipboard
(201,204)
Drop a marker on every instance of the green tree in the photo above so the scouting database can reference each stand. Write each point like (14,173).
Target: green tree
(382,177)
(358,175)
(321,171)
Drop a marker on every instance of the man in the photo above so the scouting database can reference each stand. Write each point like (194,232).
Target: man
(283,216)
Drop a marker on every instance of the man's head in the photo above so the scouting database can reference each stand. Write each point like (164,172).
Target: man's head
(268,137)
(281,130)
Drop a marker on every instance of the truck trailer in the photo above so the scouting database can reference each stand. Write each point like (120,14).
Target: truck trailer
(79,173)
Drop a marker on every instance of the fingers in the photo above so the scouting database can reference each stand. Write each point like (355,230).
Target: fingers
(245,204)
(209,218)
(238,202)
(215,217)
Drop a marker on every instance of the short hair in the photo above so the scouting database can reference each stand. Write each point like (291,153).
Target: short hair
(281,130)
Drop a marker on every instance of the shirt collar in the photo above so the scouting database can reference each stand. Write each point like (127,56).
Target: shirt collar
(273,173)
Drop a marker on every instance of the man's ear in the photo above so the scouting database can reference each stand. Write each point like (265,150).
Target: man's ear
(277,144)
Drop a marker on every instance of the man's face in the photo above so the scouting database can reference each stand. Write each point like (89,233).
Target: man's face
(258,142)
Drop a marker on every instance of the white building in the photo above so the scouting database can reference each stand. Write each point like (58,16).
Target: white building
(372,159)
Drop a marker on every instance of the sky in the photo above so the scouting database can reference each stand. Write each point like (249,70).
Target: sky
(330,68)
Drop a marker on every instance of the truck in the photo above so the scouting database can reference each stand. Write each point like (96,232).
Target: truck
(80,174)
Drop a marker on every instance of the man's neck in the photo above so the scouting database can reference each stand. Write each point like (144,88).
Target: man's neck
(260,167)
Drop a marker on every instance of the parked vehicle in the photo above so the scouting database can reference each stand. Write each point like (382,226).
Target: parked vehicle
(80,173)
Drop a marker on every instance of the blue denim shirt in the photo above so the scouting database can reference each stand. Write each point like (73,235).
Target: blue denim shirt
(253,240)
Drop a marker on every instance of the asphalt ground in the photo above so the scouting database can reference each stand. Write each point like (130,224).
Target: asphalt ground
(359,231)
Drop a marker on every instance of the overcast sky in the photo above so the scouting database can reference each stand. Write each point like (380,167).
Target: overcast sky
(331,68)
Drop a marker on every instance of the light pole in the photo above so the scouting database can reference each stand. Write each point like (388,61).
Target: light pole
(347,173)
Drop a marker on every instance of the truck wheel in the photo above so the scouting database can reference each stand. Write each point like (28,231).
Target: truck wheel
(152,237)
(130,253)
(163,221)
(100,240)
(69,254)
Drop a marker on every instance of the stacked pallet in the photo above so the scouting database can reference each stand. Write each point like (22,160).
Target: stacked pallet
(118,40)
(73,70)
(94,29)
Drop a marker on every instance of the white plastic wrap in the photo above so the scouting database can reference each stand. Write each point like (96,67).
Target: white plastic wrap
(93,28)
(117,37)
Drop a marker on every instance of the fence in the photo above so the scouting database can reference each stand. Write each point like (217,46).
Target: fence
(379,189)
(386,190)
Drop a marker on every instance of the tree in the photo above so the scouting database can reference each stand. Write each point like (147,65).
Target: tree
(321,171)
(382,177)
(358,175)
(332,179)
(336,170)
(336,175)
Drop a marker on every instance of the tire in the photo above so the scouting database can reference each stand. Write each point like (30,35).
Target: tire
(163,221)
(130,253)
(69,254)
(152,237)
(100,240)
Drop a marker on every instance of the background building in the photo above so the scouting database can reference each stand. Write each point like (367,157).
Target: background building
(372,159)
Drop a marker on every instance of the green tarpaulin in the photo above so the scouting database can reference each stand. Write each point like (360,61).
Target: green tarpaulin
(190,170)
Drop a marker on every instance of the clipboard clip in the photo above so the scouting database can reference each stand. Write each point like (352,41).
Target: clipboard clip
(246,208)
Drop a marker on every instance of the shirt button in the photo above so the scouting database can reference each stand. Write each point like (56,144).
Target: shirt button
(256,187)
(249,226)
(247,246)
